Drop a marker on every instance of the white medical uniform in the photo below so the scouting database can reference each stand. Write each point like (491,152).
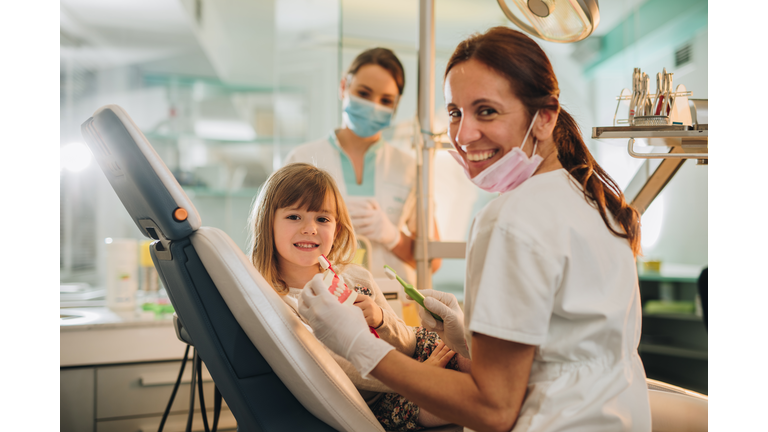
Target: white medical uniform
(389,176)
(543,270)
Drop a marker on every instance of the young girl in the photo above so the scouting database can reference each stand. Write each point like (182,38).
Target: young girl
(299,215)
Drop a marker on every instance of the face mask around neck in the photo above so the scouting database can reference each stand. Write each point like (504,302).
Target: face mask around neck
(510,171)
(364,117)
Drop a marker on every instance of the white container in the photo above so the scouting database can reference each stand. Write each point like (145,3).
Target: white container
(122,273)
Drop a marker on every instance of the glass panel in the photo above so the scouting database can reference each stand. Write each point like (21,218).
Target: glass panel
(222,90)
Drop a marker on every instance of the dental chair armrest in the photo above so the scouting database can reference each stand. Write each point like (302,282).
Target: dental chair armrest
(181,331)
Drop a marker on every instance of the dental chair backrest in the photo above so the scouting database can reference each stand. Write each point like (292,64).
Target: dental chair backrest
(675,409)
(271,371)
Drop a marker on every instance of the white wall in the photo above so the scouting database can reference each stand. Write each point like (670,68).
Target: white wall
(683,235)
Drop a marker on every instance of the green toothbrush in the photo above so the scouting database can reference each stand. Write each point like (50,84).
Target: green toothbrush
(410,290)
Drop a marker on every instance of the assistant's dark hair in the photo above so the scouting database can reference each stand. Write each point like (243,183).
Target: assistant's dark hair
(527,68)
(383,57)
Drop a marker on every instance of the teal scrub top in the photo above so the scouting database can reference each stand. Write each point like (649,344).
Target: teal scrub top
(368,186)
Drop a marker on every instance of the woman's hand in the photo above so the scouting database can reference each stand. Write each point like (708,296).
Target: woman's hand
(369,220)
(340,327)
(440,356)
(451,329)
(372,312)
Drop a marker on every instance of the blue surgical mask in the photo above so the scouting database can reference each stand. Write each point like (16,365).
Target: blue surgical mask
(364,117)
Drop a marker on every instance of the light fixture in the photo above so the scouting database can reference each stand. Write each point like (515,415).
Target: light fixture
(554,20)
(75,157)
(224,130)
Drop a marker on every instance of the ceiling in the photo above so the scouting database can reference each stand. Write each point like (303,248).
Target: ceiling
(102,34)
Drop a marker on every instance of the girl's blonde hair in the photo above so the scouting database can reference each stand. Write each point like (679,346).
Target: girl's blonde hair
(304,186)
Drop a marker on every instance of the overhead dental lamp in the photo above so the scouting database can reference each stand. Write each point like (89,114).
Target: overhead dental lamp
(554,20)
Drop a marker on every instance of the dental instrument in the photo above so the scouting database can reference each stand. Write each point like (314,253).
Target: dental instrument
(410,290)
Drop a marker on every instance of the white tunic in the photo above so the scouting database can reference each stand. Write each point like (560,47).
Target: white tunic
(544,270)
(389,176)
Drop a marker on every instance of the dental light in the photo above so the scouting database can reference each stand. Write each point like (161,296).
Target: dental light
(75,157)
(554,20)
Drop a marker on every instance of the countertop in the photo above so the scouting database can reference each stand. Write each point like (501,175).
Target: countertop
(101,317)
(92,336)
(671,272)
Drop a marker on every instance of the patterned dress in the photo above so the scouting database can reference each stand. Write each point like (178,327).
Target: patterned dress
(393,411)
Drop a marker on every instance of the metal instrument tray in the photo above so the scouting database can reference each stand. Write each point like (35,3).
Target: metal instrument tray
(668,131)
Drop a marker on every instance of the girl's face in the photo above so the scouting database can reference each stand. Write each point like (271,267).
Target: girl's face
(374,83)
(486,119)
(301,235)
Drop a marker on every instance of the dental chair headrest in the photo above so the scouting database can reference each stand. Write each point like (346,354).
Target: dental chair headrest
(146,187)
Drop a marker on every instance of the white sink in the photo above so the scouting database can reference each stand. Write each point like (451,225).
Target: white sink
(77,317)
(87,315)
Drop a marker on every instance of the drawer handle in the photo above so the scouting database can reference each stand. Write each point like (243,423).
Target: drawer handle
(163,379)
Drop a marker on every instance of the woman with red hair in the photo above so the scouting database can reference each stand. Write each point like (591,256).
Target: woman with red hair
(551,316)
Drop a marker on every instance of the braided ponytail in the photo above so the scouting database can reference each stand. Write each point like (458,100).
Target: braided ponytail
(599,188)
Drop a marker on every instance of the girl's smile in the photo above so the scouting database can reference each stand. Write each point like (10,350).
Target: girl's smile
(306,246)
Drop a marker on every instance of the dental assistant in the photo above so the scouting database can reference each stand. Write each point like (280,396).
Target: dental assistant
(552,307)
(376,179)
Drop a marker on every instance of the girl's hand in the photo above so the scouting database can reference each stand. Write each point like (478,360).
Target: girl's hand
(440,356)
(372,312)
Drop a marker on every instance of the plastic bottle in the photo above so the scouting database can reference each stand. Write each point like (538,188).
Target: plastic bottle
(122,273)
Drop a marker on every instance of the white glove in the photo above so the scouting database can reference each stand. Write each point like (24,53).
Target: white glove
(451,330)
(341,328)
(369,220)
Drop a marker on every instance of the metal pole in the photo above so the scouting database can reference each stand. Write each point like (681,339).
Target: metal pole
(426,101)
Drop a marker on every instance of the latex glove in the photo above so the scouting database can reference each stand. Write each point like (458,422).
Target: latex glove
(451,330)
(369,220)
(340,327)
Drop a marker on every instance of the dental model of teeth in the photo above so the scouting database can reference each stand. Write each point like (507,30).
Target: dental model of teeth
(332,281)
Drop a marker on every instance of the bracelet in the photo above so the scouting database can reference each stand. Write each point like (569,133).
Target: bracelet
(382,320)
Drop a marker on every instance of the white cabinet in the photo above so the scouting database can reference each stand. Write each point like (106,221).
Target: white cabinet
(77,399)
(133,398)
(117,374)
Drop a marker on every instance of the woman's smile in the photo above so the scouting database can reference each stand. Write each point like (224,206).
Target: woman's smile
(478,160)
(480,156)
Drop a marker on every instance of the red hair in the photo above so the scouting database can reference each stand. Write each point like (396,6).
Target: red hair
(527,68)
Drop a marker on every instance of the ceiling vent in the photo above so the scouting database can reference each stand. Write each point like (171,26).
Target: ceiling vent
(683,55)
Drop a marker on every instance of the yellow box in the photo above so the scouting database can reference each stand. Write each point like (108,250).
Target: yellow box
(145,259)
(653,266)
(359,258)
(411,314)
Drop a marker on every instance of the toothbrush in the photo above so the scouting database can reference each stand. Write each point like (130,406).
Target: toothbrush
(341,291)
(410,290)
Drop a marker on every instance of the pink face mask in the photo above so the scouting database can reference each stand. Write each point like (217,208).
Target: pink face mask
(508,172)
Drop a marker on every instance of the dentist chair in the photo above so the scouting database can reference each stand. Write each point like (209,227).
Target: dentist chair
(272,372)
